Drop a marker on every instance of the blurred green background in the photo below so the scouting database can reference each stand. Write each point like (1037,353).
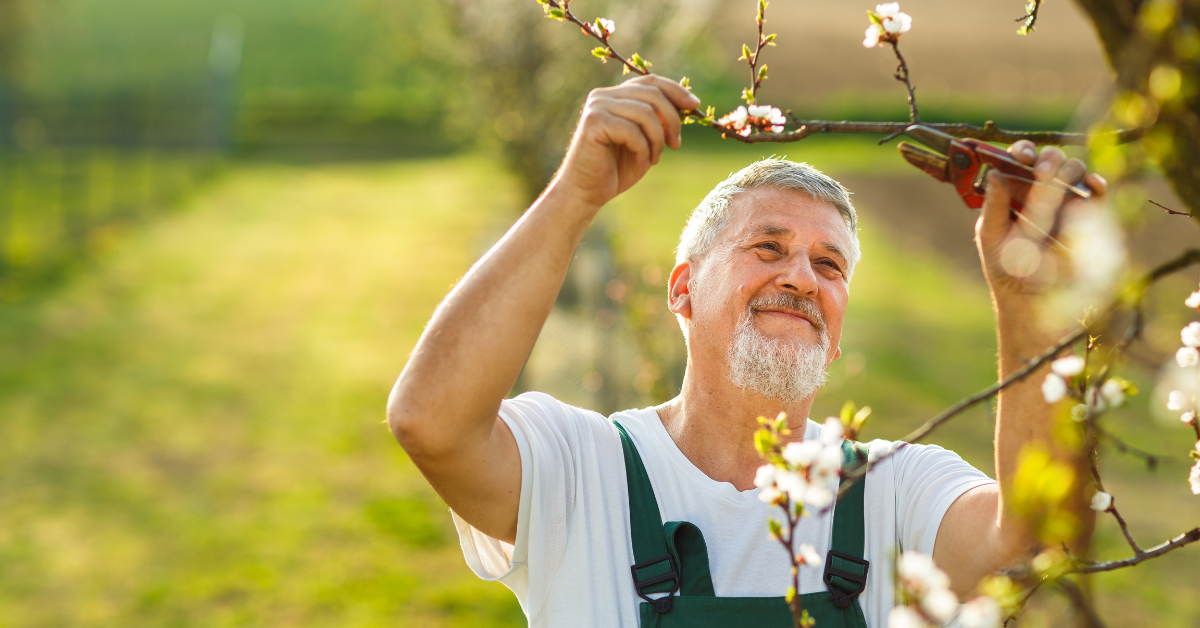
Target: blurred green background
(223,226)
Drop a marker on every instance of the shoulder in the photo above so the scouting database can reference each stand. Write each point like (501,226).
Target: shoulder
(540,417)
(918,468)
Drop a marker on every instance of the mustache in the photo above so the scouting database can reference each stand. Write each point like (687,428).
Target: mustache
(792,302)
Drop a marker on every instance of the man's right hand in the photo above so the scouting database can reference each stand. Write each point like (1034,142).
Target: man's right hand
(621,134)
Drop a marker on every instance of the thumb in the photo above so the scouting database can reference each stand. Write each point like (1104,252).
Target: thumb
(995,219)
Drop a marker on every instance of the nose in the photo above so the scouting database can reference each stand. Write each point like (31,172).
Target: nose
(798,277)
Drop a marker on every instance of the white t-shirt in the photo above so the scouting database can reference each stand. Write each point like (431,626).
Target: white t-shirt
(570,563)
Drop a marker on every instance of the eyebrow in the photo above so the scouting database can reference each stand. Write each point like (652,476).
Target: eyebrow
(775,231)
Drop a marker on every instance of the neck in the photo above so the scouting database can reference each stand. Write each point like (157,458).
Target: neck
(713,423)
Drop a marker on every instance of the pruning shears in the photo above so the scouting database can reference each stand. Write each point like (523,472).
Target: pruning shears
(966,162)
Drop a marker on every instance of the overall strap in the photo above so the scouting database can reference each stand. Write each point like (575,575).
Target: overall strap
(845,567)
(654,569)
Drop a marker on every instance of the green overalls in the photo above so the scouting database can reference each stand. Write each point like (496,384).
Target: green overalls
(673,559)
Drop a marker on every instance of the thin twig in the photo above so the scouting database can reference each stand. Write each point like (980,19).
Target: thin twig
(1152,460)
(757,76)
(1171,211)
(902,76)
(591,31)
(1030,17)
(1187,538)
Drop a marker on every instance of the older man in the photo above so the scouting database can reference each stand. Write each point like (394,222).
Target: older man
(592,520)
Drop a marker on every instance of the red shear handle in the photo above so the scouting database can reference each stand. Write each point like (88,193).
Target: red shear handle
(969,160)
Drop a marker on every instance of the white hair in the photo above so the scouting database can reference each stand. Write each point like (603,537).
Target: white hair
(711,217)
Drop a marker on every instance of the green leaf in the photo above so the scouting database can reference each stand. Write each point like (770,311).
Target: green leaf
(556,14)
(774,527)
(686,83)
(762,73)
(874,17)
(745,53)
(600,52)
(847,412)
(769,40)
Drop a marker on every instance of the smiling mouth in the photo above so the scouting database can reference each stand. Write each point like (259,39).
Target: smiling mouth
(791,314)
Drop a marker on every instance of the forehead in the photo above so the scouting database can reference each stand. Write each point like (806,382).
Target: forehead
(773,209)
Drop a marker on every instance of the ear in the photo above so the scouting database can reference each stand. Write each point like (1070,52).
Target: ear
(679,297)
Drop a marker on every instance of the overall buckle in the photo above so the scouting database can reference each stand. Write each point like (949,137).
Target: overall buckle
(662,604)
(841,599)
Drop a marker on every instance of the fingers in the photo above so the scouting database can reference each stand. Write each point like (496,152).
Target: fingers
(1097,185)
(995,219)
(680,97)
(1024,151)
(646,118)
(621,132)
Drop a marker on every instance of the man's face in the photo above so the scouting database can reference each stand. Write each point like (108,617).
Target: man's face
(780,246)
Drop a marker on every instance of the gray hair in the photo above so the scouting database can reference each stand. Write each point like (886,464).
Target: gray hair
(711,217)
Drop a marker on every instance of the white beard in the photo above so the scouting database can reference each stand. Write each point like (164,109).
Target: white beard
(783,370)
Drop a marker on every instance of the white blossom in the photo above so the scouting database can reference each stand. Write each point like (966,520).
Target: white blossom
(1101,501)
(1176,400)
(606,24)
(769,495)
(1113,393)
(737,118)
(808,555)
(981,612)
(898,23)
(828,463)
(765,476)
(793,484)
(887,9)
(1193,300)
(1190,335)
(833,431)
(1054,389)
(760,111)
(801,454)
(920,572)
(1187,417)
(939,604)
(771,114)
(1187,356)
(1067,367)
(1194,479)
(871,37)
(818,496)
(904,617)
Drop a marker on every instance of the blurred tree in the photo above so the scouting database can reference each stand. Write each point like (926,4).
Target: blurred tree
(1153,47)
(509,81)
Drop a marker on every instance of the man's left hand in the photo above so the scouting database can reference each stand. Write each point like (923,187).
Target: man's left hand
(1021,255)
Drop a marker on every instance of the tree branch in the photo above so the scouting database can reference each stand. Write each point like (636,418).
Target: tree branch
(1187,538)
(989,132)
(1134,296)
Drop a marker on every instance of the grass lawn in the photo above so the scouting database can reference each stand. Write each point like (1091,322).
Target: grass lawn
(191,429)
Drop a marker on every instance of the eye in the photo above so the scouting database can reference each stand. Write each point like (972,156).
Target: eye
(770,246)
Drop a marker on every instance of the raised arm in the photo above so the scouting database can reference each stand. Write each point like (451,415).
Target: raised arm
(443,408)
(979,533)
